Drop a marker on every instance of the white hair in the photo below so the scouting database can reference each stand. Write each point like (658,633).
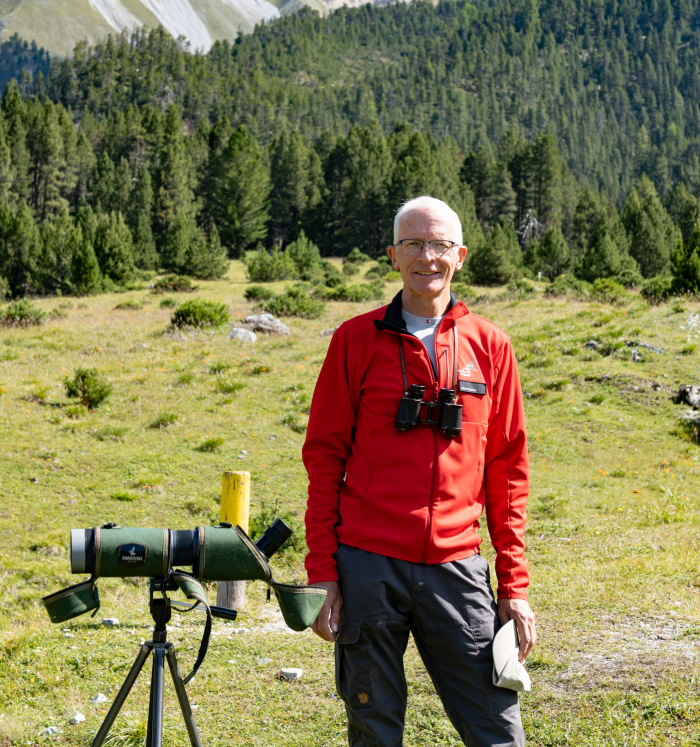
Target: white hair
(426,202)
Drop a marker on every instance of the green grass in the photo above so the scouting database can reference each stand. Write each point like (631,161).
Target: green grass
(613,534)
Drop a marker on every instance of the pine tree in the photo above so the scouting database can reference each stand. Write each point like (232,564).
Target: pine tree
(685,263)
(20,250)
(600,259)
(47,162)
(114,248)
(85,165)
(553,258)
(651,232)
(498,259)
(242,195)
(14,112)
(85,270)
(139,213)
(476,172)
(6,168)
(306,257)
(60,239)
(684,210)
(207,258)
(546,179)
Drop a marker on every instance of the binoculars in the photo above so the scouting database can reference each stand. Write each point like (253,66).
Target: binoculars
(445,414)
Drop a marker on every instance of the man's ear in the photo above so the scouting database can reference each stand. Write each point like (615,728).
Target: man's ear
(391,251)
(461,257)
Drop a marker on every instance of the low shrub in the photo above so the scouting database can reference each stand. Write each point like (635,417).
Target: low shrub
(229,386)
(608,290)
(629,277)
(463,292)
(199,313)
(167,303)
(211,444)
(294,302)
(218,367)
(21,313)
(88,386)
(110,433)
(356,257)
(125,497)
(567,285)
(392,277)
(266,267)
(355,293)
(164,420)
(350,269)
(332,276)
(379,270)
(257,293)
(129,305)
(294,422)
(657,289)
(185,379)
(173,284)
(519,289)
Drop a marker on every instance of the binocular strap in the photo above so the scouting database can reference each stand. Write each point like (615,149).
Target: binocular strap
(194,591)
(455,366)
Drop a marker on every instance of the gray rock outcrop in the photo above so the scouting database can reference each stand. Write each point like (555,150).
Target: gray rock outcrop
(265,323)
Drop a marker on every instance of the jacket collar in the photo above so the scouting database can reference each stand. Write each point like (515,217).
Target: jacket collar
(393,321)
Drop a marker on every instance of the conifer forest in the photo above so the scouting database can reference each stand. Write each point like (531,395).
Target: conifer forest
(580,120)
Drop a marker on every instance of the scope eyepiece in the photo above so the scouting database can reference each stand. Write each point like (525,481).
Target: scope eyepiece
(273,538)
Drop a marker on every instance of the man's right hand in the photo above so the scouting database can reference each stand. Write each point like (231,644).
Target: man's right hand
(326,624)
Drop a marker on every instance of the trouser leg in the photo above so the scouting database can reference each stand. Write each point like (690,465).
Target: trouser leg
(371,643)
(454,622)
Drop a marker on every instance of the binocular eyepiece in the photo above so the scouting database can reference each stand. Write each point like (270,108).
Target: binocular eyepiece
(448,417)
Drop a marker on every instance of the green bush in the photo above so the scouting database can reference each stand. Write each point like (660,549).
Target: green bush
(350,269)
(21,313)
(125,497)
(210,445)
(356,257)
(520,289)
(218,367)
(307,258)
(332,276)
(356,293)
(463,292)
(164,420)
(567,285)
(392,277)
(167,303)
(379,270)
(294,302)
(258,293)
(199,313)
(88,386)
(173,284)
(608,290)
(129,305)
(657,289)
(266,267)
(228,386)
(630,277)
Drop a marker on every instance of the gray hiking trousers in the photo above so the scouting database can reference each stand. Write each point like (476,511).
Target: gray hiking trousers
(450,610)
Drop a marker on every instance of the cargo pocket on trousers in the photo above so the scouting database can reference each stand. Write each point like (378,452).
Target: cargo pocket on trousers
(352,666)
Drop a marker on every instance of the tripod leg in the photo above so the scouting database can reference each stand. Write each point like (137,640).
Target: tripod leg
(155,716)
(122,695)
(182,697)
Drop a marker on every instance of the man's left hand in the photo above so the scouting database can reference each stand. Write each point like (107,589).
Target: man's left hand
(520,611)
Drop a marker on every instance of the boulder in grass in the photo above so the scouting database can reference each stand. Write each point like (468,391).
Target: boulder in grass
(77,719)
(265,323)
(242,335)
(689,394)
(291,673)
(50,731)
(592,345)
(99,698)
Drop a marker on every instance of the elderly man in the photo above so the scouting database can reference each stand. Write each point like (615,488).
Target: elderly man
(394,501)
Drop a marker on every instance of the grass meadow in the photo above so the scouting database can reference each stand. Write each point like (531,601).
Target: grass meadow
(612,538)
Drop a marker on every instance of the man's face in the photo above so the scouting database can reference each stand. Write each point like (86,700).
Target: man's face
(426,274)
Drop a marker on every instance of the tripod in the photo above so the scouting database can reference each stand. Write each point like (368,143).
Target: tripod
(162,649)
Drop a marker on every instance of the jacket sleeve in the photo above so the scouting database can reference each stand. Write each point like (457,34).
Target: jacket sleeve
(507,479)
(326,452)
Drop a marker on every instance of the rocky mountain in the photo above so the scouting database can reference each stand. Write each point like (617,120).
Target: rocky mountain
(57,25)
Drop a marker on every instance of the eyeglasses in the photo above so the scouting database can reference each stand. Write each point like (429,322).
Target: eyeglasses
(412,247)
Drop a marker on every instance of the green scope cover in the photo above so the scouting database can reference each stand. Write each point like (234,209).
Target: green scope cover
(131,551)
(228,554)
(71,602)
(300,605)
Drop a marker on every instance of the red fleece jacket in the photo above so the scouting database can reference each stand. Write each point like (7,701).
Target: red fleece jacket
(417,495)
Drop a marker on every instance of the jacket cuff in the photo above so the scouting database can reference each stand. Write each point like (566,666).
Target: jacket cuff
(318,577)
(512,595)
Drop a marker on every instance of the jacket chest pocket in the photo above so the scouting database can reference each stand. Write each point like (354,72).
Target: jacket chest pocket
(475,400)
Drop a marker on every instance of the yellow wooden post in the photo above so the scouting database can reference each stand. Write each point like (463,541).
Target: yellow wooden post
(235,498)
(235,509)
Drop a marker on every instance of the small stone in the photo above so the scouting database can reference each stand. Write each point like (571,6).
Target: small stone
(99,698)
(243,451)
(264,661)
(50,731)
(265,323)
(241,631)
(110,622)
(592,345)
(77,719)
(291,674)
(327,332)
(242,335)
(636,357)
(33,479)
(689,394)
